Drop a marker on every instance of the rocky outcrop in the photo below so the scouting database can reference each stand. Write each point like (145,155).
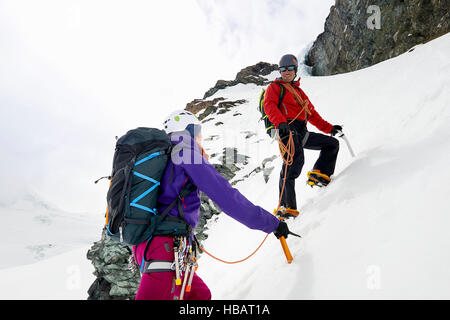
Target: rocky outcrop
(201,104)
(266,168)
(361,33)
(203,108)
(208,210)
(252,74)
(115,279)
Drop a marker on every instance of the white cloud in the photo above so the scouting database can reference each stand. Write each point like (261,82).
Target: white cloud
(74,74)
(265,30)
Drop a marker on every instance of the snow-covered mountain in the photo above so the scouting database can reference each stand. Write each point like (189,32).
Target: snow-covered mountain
(378,231)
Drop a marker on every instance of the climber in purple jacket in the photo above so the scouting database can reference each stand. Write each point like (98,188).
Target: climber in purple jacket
(189,164)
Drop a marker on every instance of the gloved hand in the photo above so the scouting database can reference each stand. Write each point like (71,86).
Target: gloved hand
(282,230)
(283,130)
(335,130)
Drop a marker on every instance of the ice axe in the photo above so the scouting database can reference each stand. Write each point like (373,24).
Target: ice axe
(342,135)
(286,250)
(285,247)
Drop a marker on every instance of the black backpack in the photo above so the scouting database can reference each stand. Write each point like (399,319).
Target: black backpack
(267,124)
(139,162)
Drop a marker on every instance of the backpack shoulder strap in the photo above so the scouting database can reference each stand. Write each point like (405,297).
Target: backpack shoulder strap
(185,191)
(282,93)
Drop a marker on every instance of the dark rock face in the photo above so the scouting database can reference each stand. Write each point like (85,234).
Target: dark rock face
(204,108)
(200,104)
(115,279)
(357,35)
(252,74)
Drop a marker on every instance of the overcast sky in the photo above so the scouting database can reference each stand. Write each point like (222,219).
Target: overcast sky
(148,53)
(73,72)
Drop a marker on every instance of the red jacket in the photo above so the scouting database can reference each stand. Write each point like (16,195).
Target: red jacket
(289,108)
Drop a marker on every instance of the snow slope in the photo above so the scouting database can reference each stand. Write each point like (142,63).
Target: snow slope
(379,231)
(37,230)
(61,277)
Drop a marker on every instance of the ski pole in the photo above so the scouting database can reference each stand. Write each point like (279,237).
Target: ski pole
(342,135)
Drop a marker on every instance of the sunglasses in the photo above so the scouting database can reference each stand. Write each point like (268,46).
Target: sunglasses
(290,68)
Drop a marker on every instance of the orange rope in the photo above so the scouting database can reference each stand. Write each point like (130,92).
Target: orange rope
(285,150)
(302,103)
(238,261)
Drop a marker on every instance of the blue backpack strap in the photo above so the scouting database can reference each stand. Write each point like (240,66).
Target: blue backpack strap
(134,202)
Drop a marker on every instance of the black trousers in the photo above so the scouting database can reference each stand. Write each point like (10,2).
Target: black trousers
(303,139)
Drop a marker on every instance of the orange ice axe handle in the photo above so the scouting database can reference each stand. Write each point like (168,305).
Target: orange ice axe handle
(287,253)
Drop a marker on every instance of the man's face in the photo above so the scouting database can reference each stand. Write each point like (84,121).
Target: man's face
(286,74)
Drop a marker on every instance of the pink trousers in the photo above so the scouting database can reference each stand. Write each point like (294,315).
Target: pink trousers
(161,285)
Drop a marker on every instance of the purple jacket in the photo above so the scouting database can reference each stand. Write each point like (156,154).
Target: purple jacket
(188,163)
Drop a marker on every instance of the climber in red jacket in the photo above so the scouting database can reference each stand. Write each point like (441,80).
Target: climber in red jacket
(295,111)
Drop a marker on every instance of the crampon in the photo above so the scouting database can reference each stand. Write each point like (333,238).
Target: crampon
(316,178)
(284,213)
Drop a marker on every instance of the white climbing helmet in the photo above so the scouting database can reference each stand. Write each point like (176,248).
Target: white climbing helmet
(179,120)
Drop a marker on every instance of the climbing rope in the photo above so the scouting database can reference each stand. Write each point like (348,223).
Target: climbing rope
(287,154)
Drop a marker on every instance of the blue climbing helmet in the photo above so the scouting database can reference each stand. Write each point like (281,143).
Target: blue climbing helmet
(288,60)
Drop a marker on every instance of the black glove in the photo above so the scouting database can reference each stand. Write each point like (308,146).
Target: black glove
(282,230)
(283,130)
(335,130)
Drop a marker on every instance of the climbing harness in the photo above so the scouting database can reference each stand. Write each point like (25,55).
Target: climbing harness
(184,264)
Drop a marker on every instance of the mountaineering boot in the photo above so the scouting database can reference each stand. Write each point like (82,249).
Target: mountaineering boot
(315,178)
(284,213)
